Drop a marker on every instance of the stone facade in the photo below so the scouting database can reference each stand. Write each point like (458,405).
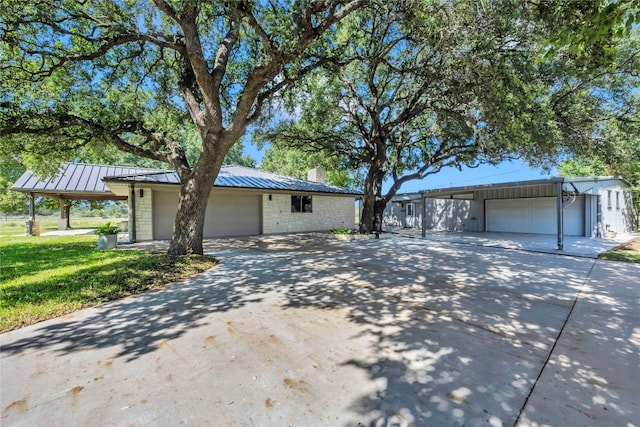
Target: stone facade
(329,212)
(144,214)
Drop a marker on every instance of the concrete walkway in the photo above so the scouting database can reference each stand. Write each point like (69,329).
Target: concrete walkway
(316,332)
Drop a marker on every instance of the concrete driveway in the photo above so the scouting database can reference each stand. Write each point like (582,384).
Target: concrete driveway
(312,332)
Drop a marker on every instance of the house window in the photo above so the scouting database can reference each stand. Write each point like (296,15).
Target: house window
(608,199)
(301,204)
(617,200)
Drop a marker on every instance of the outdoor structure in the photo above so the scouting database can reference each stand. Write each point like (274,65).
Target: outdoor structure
(585,206)
(74,182)
(243,201)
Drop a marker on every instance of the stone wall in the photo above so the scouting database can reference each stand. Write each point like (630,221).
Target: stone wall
(329,212)
(144,214)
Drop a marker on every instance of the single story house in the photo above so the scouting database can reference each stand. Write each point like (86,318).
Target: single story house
(584,206)
(243,201)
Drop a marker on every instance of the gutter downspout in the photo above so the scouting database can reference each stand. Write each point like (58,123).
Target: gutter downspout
(560,212)
(132,231)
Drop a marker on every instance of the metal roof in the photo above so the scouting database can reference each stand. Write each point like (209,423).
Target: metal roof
(551,180)
(78,180)
(75,180)
(239,177)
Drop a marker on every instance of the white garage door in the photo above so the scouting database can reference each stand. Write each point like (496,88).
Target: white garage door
(534,215)
(227,215)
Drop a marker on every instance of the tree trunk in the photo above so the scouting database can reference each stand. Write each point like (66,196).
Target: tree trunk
(371,218)
(192,203)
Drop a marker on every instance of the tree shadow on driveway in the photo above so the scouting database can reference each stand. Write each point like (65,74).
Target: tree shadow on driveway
(455,334)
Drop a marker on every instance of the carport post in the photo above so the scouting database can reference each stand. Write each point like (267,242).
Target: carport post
(560,215)
(423,209)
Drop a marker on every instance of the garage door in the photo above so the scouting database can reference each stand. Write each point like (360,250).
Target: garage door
(534,215)
(227,215)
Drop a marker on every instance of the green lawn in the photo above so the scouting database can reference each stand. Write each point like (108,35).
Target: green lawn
(16,227)
(629,252)
(45,277)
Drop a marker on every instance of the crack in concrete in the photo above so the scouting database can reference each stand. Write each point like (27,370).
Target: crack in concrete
(546,362)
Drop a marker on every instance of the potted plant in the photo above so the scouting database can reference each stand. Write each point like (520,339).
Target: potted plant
(107,236)
(609,234)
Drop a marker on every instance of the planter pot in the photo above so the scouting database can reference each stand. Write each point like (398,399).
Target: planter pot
(108,241)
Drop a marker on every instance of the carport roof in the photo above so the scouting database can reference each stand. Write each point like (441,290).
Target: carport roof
(453,191)
(470,188)
(75,181)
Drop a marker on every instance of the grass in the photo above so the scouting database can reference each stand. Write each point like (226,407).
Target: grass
(628,252)
(16,227)
(46,277)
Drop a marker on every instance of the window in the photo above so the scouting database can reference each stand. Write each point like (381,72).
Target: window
(608,199)
(617,200)
(301,204)
(410,209)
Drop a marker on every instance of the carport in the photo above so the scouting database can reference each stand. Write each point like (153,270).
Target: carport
(557,206)
(73,182)
(510,207)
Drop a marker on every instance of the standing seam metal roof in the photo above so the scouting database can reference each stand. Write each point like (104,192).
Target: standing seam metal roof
(90,179)
(240,177)
(74,178)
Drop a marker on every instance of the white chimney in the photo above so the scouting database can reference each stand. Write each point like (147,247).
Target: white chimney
(316,175)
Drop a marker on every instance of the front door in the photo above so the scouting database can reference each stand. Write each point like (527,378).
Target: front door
(409,215)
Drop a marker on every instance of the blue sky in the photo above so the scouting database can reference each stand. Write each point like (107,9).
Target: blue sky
(452,177)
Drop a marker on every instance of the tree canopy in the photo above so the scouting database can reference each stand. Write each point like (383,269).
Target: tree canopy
(444,85)
(140,75)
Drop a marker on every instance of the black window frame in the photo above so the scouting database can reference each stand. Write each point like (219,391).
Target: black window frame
(301,203)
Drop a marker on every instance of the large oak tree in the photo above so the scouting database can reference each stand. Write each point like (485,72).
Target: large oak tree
(137,74)
(442,84)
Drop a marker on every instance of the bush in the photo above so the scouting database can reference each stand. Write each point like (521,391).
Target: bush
(107,229)
(341,231)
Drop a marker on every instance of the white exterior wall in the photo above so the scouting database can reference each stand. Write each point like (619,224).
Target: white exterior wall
(589,214)
(144,214)
(329,212)
(449,215)
(616,216)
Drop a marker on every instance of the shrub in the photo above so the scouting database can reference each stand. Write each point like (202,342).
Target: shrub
(341,231)
(107,229)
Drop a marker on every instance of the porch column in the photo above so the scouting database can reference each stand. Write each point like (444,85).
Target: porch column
(63,222)
(423,212)
(560,215)
(31,225)
(32,207)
